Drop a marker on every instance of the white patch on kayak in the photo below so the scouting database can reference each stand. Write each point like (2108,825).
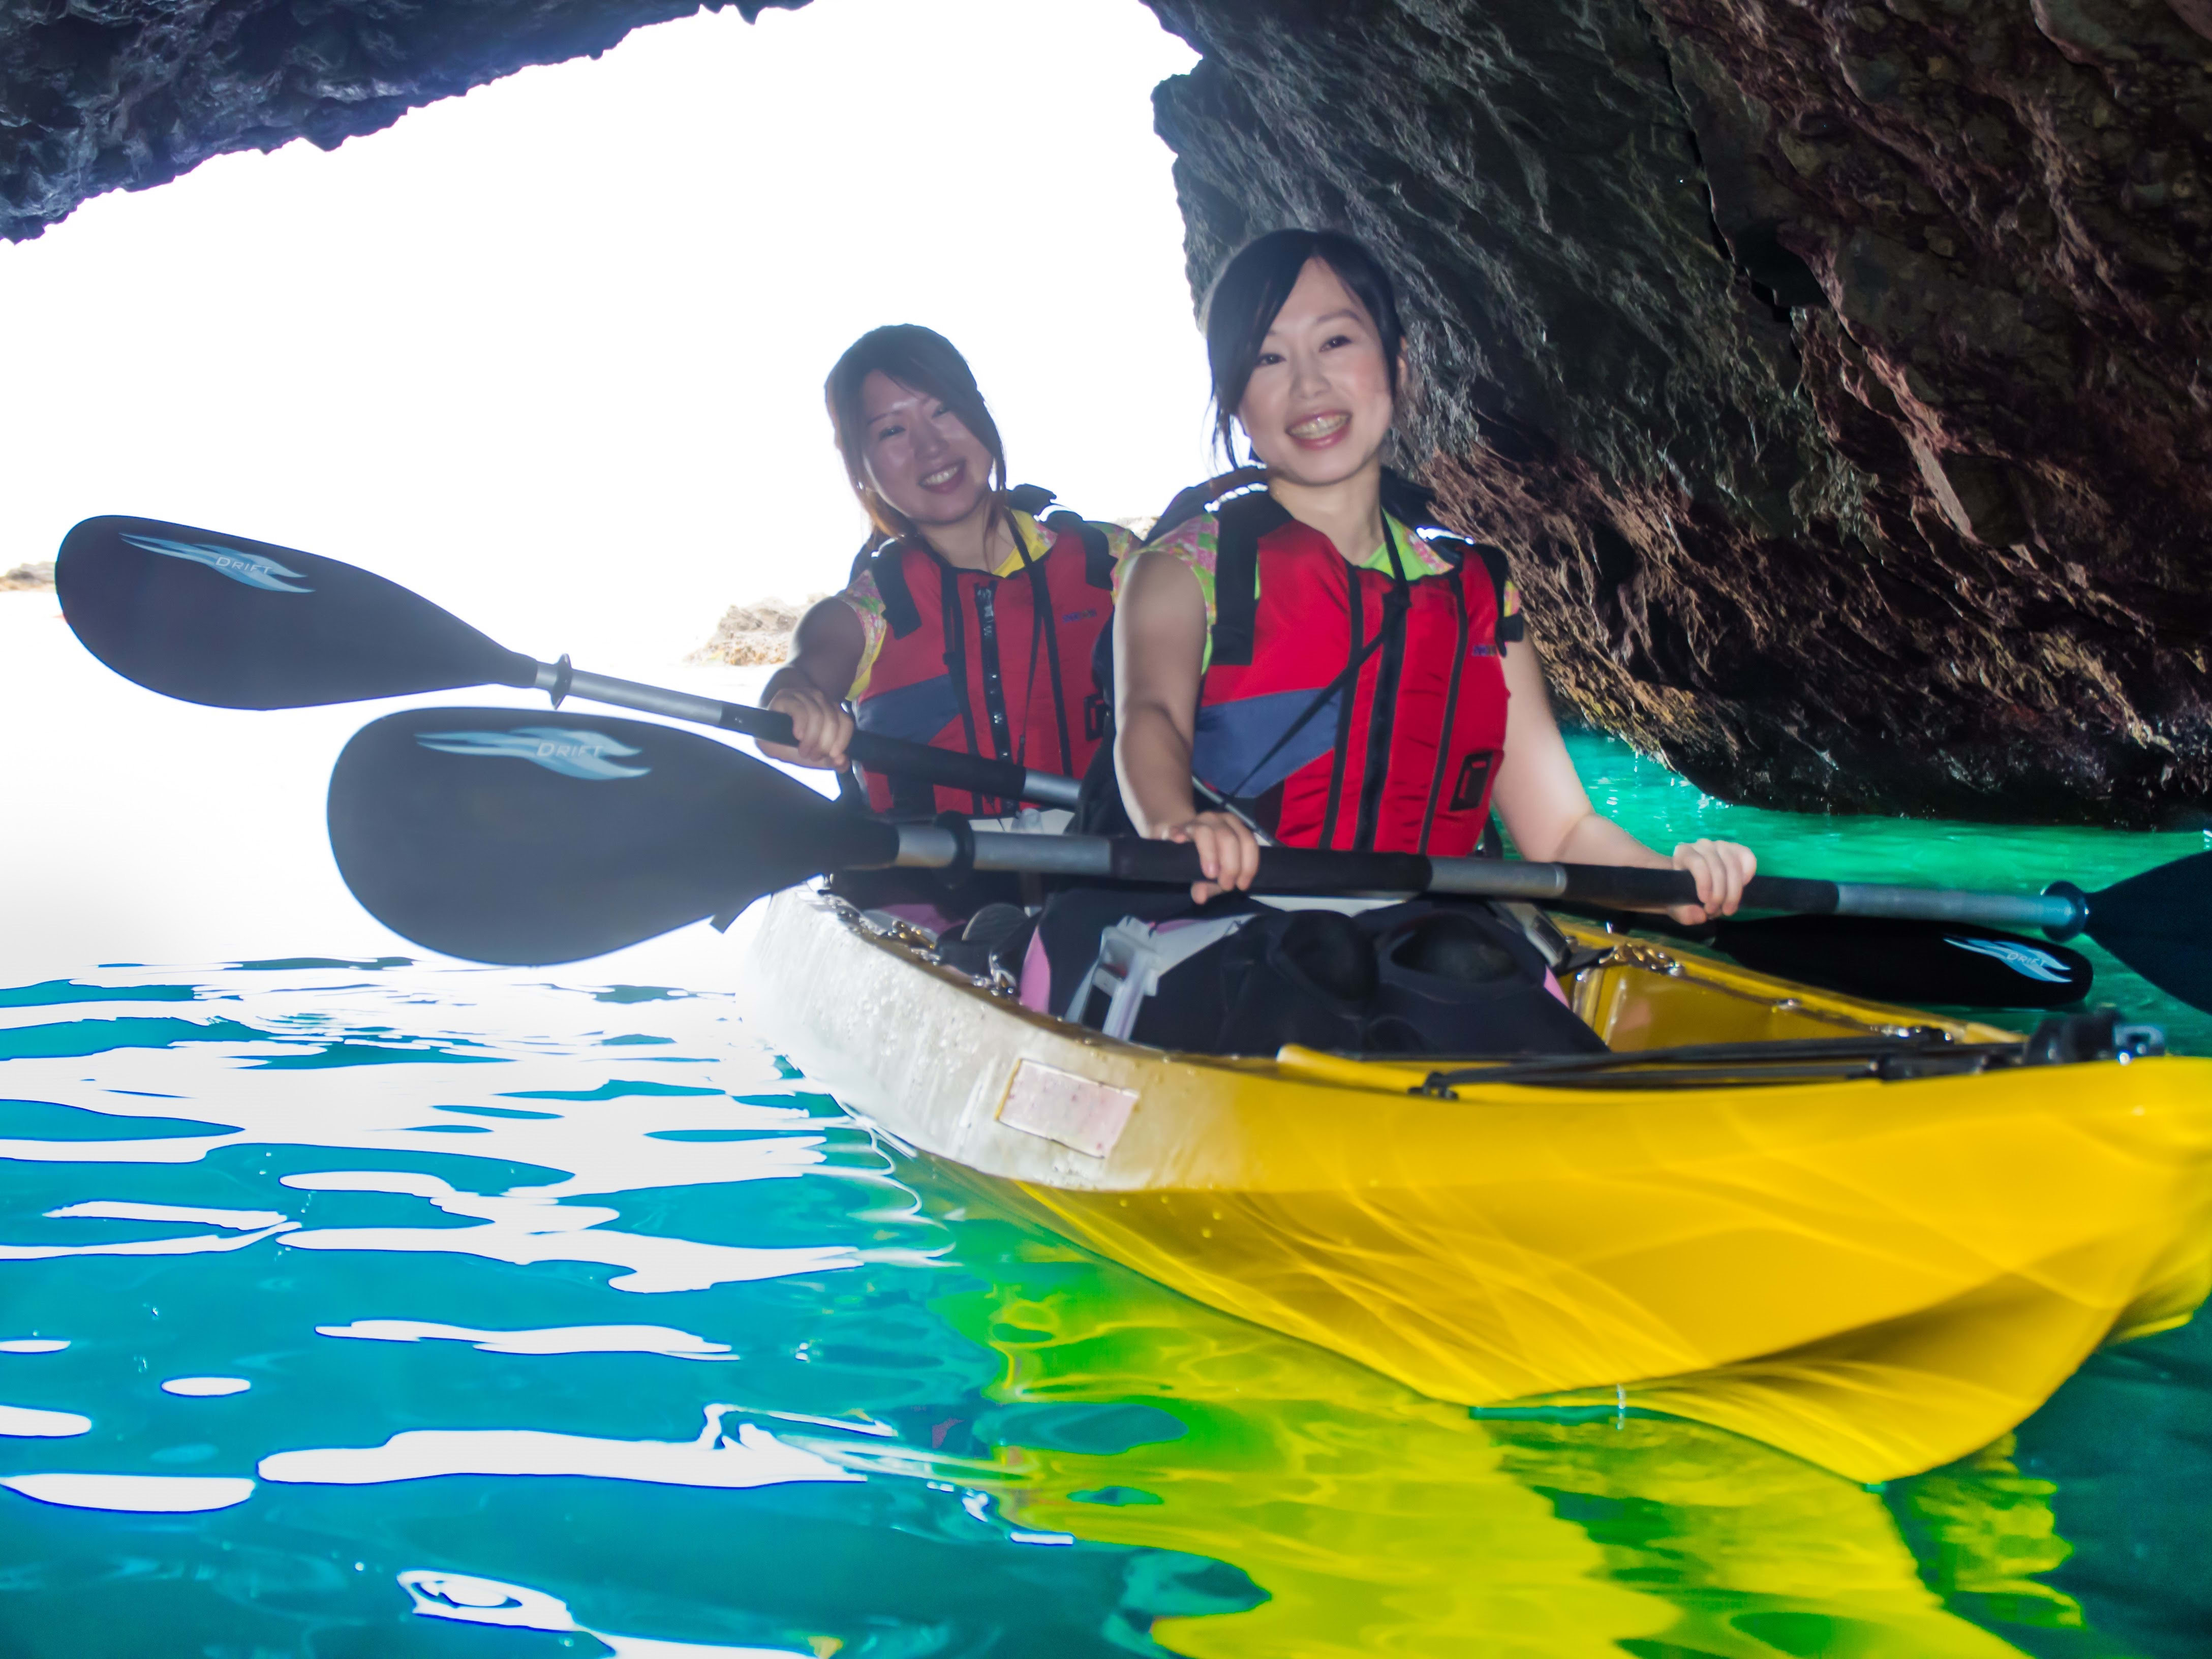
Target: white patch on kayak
(1076,1112)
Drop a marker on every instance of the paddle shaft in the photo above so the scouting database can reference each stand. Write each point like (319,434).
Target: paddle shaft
(1001,780)
(2060,913)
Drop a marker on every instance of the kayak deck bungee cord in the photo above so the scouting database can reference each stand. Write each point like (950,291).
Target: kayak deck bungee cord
(1879,1271)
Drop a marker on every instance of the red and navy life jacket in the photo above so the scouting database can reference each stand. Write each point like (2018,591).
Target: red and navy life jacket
(1348,707)
(993,665)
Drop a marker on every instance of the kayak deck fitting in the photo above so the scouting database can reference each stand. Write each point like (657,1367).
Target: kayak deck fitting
(1879,1273)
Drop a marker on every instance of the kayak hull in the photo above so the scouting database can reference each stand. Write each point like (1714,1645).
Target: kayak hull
(1877,1276)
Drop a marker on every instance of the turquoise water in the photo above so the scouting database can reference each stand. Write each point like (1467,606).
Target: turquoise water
(366,1309)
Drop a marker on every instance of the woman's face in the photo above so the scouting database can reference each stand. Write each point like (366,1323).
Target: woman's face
(922,457)
(1318,405)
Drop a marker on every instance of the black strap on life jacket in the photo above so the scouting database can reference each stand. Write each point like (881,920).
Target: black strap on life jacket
(1097,549)
(1044,623)
(956,659)
(1208,497)
(1383,708)
(887,566)
(1241,521)
(1451,704)
(1413,504)
(1349,674)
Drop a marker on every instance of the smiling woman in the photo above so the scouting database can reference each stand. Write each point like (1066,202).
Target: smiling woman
(972,613)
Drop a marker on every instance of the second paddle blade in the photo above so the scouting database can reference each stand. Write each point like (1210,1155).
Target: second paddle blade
(212,618)
(502,835)
(1949,963)
(2159,923)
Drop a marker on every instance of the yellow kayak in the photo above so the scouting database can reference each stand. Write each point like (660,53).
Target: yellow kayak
(1878,1276)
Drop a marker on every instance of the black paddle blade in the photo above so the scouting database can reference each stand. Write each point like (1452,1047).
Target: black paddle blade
(2156,923)
(1911,962)
(500,835)
(211,618)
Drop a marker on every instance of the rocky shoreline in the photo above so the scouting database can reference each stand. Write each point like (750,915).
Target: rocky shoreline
(37,577)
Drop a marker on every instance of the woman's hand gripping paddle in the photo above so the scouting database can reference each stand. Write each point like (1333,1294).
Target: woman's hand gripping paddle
(215,619)
(499,836)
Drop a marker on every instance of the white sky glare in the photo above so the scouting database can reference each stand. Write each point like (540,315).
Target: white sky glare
(568,333)
(552,355)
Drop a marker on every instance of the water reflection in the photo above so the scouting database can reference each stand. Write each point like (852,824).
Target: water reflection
(306,1372)
(512,1607)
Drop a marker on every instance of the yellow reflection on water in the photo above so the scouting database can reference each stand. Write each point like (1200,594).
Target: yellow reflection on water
(1381,1522)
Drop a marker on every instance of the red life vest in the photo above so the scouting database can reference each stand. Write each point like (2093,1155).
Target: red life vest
(1346,707)
(993,665)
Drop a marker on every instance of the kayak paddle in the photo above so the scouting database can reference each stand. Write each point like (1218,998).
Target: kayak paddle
(500,836)
(215,619)
(1957,963)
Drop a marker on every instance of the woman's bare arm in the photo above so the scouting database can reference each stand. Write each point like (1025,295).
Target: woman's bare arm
(811,688)
(1549,815)
(1159,638)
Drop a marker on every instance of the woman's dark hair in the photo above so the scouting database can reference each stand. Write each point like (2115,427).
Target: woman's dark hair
(1242,306)
(923,361)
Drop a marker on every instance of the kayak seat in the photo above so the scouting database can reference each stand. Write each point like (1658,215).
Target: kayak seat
(995,940)
(1427,977)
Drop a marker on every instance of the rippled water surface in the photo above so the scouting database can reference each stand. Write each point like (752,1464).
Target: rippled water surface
(391,1309)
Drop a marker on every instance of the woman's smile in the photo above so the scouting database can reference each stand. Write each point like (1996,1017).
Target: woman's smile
(1320,431)
(946,479)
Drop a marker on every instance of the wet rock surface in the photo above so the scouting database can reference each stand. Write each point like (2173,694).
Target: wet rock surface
(1839,377)
(104,95)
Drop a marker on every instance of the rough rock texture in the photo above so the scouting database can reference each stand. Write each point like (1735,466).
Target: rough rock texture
(1839,376)
(37,577)
(101,94)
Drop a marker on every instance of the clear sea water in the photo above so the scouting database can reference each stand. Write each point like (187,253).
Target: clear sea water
(384,1307)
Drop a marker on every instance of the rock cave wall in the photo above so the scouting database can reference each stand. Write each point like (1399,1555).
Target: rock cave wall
(1838,375)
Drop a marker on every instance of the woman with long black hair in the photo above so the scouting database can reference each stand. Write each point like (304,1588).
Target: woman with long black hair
(1336,672)
(1297,637)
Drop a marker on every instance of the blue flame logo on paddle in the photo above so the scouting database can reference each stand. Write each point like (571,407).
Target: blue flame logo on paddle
(254,569)
(572,752)
(2023,959)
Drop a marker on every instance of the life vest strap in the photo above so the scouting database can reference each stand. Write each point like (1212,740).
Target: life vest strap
(1240,525)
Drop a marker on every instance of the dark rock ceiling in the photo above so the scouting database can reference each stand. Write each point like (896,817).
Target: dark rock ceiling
(1838,376)
(104,94)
